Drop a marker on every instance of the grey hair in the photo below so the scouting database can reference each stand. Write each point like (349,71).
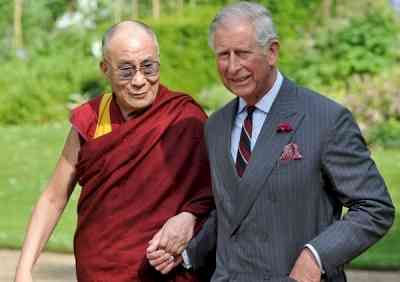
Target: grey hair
(110,32)
(254,13)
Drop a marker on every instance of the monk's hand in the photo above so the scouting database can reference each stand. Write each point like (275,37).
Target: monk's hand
(175,234)
(306,268)
(158,258)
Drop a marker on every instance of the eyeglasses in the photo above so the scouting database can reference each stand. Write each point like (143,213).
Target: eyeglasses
(148,68)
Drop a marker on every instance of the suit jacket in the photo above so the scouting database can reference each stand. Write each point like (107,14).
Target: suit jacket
(264,219)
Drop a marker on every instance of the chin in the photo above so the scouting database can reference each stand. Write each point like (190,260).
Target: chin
(243,94)
(242,91)
(142,103)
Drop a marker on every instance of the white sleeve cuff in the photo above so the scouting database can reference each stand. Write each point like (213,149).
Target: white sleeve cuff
(185,260)
(316,256)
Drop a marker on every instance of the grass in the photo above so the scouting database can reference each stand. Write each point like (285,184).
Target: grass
(28,157)
(30,153)
(386,253)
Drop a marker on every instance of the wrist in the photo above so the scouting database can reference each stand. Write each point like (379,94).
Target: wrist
(313,261)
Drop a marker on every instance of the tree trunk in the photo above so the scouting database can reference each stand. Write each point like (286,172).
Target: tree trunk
(18,42)
(326,10)
(135,9)
(156,9)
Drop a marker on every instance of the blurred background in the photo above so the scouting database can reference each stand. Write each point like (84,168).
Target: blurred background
(49,56)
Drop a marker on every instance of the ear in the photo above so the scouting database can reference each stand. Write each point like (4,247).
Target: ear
(273,53)
(104,68)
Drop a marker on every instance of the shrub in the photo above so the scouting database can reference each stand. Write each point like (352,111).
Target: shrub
(214,98)
(375,101)
(386,134)
(362,45)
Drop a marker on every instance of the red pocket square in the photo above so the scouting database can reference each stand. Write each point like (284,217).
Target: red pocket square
(284,127)
(291,152)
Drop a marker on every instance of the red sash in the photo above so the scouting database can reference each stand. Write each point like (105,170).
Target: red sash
(133,179)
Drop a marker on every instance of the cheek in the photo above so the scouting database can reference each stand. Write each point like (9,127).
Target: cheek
(260,72)
(154,91)
(222,72)
(118,86)
(221,66)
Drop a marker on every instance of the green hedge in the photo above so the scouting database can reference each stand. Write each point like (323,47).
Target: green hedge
(60,69)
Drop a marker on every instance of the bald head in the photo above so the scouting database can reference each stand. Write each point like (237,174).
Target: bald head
(128,30)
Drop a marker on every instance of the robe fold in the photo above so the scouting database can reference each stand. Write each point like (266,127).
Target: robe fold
(146,170)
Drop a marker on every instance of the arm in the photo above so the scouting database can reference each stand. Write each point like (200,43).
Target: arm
(202,247)
(356,183)
(194,182)
(49,208)
(175,234)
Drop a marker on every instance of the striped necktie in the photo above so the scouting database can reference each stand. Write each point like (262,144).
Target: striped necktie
(244,150)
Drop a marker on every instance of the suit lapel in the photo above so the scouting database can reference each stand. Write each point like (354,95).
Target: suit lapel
(267,150)
(225,163)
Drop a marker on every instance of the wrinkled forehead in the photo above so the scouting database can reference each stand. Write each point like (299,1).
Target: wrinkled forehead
(234,33)
(131,47)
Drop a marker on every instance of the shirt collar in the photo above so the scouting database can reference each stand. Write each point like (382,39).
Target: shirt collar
(267,100)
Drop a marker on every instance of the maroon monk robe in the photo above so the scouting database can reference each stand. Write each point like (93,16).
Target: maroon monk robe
(133,179)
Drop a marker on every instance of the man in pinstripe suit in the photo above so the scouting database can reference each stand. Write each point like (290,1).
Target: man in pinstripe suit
(280,182)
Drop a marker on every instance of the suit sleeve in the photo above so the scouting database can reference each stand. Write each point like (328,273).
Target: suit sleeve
(358,185)
(202,247)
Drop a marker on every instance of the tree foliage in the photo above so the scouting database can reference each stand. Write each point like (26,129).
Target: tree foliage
(331,53)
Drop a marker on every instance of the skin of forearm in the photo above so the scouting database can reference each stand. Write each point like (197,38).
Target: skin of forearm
(49,207)
(43,220)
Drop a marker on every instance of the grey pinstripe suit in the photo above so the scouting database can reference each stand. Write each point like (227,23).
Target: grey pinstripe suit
(263,220)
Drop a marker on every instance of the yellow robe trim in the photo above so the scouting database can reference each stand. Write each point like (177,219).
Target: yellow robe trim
(104,118)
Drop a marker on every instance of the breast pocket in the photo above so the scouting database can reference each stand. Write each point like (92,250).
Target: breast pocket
(288,166)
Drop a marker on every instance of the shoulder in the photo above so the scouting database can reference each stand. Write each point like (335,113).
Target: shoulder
(84,117)
(184,103)
(317,100)
(190,115)
(220,115)
(318,106)
(88,107)
(323,113)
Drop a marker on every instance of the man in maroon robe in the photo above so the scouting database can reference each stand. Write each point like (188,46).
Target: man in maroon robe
(140,158)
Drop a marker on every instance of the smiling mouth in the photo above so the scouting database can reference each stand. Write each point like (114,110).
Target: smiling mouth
(137,94)
(239,80)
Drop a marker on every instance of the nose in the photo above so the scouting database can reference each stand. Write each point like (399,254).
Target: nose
(138,80)
(233,64)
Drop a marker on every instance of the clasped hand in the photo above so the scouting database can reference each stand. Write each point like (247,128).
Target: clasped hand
(166,246)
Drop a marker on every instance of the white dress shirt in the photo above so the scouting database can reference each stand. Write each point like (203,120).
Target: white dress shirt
(259,115)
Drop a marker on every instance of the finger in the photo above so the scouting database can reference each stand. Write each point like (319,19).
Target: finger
(172,265)
(156,254)
(164,264)
(152,247)
(160,260)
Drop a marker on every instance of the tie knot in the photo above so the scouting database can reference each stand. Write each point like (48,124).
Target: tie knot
(250,109)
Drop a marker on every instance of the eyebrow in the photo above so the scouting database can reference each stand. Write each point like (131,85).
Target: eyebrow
(146,60)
